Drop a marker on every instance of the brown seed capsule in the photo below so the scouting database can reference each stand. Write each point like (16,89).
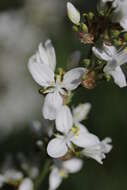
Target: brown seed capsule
(89,82)
(86,38)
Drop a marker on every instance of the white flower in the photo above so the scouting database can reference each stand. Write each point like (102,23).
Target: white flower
(61,170)
(13,175)
(26,184)
(77,135)
(120,13)
(114,60)
(73,13)
(98,150)
(80,112)
(2,180)
(42,68)
(10,175)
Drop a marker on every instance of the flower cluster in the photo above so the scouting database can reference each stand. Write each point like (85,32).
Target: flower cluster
(69,140)
(71,137)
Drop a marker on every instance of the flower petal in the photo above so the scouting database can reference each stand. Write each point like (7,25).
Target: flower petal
(98,151)
(53,101)
(46,54)
(73,13)
(54,179)
(41,73)
(64,120)
(84,138)
(100,54)
(57,148)
(110,50)
(80,112)
(26,184)
(51,54)
(73,165)
(72,78)
(119,77)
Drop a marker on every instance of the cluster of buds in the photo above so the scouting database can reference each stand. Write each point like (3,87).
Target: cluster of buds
(108,39)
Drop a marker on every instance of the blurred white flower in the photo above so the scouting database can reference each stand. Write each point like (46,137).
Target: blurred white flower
(77,135)
(98,150)
(114,60)
(80,112)
(10,176)
(2,180)
(120,12)
(61,170)
(73,14)
(42,67)
(26,184)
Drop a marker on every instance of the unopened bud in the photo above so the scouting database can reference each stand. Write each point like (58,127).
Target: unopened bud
(90,15)
(84,27)
(86,62)
(73,13)
(125,37)
(75,28)
(115,33)
(108,77)
(117,42)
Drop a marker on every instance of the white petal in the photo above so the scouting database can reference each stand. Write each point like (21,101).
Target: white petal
(100,54)
(27,184)
(73,13)
(42,54)
(2,180)
(80,112)
(95,153)
(119,77)
(57,148)
(72,78)
(110,50)
(123,23)
(73,165)
(64,119)
(53,101)
(98,151)
(84,138)
(51,54)
(46,55)
(107,147)
(54,179)
(41,73)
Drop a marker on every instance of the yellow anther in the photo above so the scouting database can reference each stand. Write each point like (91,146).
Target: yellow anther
(75,131)
(63,173)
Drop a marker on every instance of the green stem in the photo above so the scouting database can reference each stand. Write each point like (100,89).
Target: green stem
(43,174)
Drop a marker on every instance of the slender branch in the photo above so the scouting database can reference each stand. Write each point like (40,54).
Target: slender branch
(43,174)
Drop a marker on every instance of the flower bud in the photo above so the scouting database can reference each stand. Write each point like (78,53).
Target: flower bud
(86,62)
(115,33)
(84,27)
(73,13)
(125,37)
(90,15)
(75,28)
(108,77)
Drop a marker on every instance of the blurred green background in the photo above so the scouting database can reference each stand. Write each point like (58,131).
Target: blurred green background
(108,116)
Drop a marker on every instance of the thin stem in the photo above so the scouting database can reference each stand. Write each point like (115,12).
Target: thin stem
(43,174)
